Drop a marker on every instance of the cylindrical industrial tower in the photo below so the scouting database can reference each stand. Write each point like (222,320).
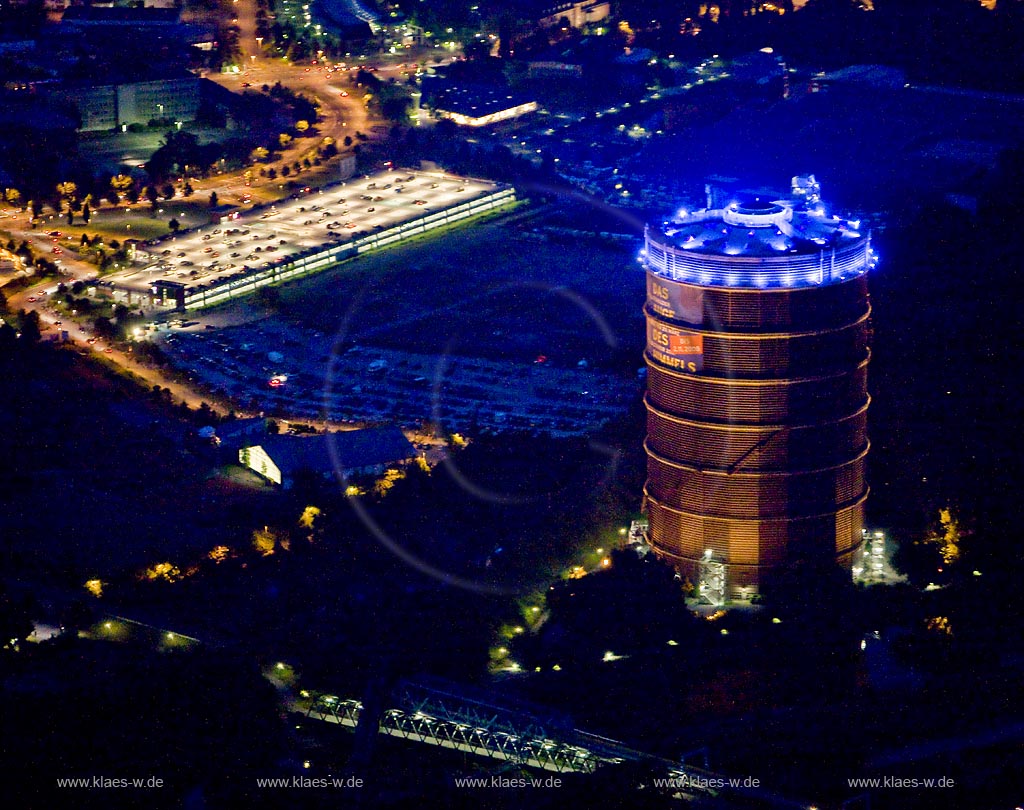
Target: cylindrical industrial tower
(758,333)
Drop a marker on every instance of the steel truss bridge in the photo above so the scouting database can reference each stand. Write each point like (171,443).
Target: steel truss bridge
(526,736)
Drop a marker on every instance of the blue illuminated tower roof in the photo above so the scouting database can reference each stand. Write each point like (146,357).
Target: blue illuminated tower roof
(759,242)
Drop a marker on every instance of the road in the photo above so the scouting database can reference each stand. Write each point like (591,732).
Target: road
(52,322)
(342,114)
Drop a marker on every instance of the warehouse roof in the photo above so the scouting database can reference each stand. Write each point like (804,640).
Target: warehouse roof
(343,451)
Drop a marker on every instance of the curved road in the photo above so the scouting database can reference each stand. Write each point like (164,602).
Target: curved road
(341,115)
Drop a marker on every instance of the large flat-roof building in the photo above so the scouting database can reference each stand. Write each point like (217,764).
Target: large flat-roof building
(757,352)
(104,106)
(477,105)
(353,452)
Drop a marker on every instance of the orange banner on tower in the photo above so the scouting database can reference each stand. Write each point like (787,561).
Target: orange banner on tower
(686,344)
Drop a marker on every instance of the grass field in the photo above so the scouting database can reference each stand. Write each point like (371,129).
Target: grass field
(139,222)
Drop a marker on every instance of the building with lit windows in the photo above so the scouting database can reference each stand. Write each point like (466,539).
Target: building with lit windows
(758,342)
(108,106)
(578,13)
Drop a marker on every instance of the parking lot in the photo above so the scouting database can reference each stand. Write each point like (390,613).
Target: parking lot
(297,373)
(260,237)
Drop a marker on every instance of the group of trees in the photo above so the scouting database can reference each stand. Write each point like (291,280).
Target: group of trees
(18,330)
(389,98)
(182,155)
(73,199)
(442,145)
(44,268)
(299,42)
(299,107)
(462,18)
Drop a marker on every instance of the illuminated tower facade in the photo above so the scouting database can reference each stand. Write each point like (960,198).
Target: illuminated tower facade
(758,342)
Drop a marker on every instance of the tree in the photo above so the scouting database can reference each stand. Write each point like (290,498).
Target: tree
(395,103)
(174,225)
(121,183)
(167,192)
(29,324)
(152,195)
(259,153)
(948,538)
(266,540)
(12,196)
(86,213)
(3,303)
(214,202)
(67,191)
(104,327)
(284,139)
(8,340)
(302,125)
